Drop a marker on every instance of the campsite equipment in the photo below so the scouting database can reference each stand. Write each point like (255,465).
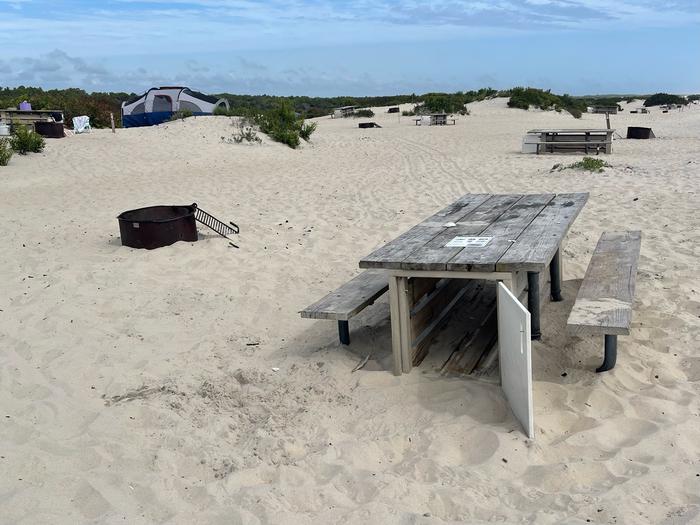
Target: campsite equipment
(530,142)
(343,112)
(81,124)
(50,130)
(25,106)
(157,226)
(572,140)
(364,125)
(30,117)
(636,132)
(159,104)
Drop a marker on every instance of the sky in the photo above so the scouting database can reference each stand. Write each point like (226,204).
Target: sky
(352,47)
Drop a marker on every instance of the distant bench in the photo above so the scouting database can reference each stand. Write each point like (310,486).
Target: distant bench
(604,302)
(349,300)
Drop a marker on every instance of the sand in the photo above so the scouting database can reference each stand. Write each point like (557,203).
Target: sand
(181,385)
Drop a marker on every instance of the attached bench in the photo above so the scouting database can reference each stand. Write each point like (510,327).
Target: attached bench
(568,146)
(349,300)
(604,302)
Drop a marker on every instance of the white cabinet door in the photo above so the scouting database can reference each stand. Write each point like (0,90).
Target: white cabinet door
(515,358)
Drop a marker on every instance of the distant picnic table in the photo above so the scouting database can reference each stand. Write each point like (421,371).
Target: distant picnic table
(567,140)
(510,238)
(434,119)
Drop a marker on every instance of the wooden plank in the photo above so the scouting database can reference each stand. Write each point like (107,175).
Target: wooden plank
(434,255)
(504,231)
(480,334)
(461,207)
(390,255)
(435,302)
(604,302)
(418,287)
(570,130)
(537,244)
(442,308)
(350,298)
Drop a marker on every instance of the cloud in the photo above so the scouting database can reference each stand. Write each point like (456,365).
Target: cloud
(254,46)
(56,68)
(195,66)
(249,65)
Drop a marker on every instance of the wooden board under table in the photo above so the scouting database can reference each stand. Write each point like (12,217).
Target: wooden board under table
(427,278)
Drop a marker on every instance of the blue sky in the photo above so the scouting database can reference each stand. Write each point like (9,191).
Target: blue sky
(354,47)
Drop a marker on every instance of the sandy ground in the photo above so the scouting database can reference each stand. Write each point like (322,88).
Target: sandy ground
(181,386)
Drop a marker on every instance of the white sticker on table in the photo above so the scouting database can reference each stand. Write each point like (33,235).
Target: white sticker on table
(468,242)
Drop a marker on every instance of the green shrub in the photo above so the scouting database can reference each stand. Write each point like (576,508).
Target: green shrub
(180,115)
(586,164)
(290,137)
(523,98)
(24,141)
(244,132)
(411,113)
(283,125)
(222,111)
(5,152)
(363,113)
(661,99)
(306,130)
(443,103)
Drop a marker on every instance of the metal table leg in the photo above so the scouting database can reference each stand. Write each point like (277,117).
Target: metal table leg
(395,324)
(344,332)
(610,354)
(555,276)
(533,304)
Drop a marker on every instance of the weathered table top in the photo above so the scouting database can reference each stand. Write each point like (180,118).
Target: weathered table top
(525,232)
(580,131)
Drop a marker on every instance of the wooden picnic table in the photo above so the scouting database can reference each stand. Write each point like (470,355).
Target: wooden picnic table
(579,139)
(509,238)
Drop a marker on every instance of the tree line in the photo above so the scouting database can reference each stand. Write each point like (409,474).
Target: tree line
(98,105)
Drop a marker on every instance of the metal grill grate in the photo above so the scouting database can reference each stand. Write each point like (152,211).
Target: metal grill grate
(215,224)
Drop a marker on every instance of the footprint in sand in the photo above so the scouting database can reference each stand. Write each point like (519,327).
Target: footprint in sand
(457,447)
(578,478)
(691,368)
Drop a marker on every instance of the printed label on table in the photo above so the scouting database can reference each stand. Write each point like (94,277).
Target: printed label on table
(468,242)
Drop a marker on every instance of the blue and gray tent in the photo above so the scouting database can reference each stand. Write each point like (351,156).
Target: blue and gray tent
(159,104)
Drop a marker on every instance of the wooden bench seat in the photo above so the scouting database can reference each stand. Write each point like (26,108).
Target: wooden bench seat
(604,302)
(349,300)
(569,145)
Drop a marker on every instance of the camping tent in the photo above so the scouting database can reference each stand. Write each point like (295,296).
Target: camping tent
(158,104)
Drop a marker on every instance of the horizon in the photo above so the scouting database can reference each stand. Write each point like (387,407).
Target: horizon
(319,48)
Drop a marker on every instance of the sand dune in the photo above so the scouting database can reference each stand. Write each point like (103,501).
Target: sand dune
(138,386)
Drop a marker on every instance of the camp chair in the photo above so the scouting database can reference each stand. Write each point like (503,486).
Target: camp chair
(81,124)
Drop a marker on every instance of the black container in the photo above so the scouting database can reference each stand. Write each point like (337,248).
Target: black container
(634,132)
(50,130)
(157,226)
